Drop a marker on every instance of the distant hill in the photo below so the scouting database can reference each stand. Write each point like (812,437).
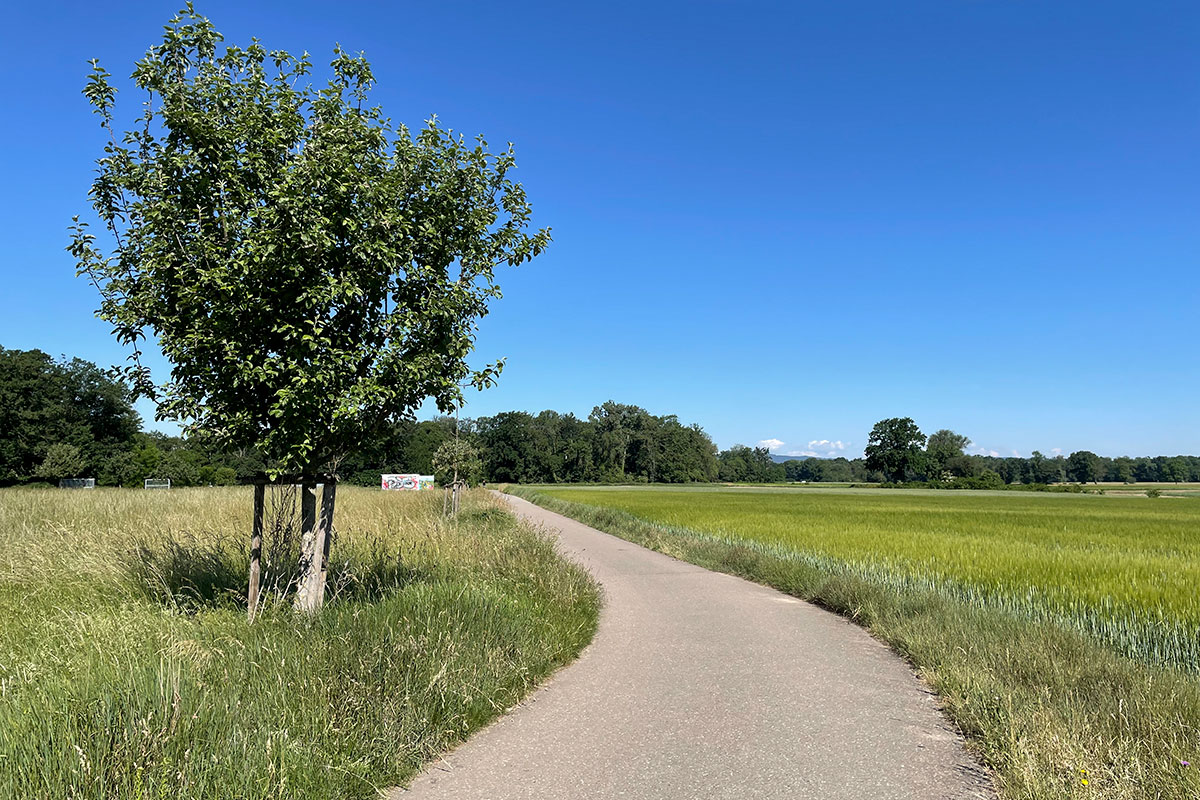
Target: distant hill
(778,459)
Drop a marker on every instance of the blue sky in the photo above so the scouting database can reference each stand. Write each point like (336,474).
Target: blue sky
(783,221)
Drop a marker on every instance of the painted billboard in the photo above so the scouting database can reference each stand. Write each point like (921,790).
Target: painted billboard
(406,482)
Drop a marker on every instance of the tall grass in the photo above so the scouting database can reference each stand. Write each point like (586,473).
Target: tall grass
(1019,611)
(127,668)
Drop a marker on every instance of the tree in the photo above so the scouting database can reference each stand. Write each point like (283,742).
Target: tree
(457,457)
(181,467)
(945,454)
(224,476)
(119,469)
(508,445)
(62,461)
(894,448)
(45,402)
(1173,469)
(754,464)
(1120,470)
(310,271)
(1083,466)
(423,442)
(1044,470)
(614,424)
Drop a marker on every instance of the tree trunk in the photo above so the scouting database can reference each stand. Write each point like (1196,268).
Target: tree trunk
(311,549)
(255,551)
(325,535)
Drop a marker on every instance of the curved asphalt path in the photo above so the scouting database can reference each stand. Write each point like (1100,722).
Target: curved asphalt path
(703,685)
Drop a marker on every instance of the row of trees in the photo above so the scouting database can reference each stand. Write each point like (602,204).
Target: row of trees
(900,452)
(616,442)
(69,418)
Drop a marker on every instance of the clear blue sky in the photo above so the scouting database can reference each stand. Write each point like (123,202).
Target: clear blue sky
(783,221)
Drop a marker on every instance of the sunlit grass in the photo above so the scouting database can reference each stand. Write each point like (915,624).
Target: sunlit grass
(127,667)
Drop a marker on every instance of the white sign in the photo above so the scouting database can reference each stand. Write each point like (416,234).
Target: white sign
(407,482)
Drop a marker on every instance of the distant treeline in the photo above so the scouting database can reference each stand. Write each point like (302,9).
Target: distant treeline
(68,418)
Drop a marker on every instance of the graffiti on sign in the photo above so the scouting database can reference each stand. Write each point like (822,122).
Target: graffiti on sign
(407,482)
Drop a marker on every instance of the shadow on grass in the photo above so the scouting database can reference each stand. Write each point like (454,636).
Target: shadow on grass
(190,574)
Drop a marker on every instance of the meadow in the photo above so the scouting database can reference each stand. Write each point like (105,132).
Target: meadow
(128,668)
(1061,631)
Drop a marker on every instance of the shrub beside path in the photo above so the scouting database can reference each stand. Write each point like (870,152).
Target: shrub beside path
(703,685)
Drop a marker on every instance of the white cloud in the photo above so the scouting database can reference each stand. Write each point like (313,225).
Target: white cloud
(983,451)
(1016,454)
(821,448)
(1056,450)
(771,444)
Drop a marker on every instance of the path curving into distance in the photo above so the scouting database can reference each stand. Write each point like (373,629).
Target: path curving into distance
(702,685)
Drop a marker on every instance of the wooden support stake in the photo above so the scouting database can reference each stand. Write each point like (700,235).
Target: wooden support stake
(310,549)
(255,551)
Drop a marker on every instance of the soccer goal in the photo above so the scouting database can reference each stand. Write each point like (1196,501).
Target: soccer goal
(77,483)
(158,483)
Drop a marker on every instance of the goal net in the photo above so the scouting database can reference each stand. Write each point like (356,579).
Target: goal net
(158,483)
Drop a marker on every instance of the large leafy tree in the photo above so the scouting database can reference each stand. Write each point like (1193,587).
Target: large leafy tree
(44,402)
(944,453)
(310,270)
(894,448)
(1083,466)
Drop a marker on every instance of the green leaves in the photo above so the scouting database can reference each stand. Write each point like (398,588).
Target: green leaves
(99,93)
(309,271)
(894,448)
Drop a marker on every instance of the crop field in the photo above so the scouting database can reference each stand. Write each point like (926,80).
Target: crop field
(1126,570)
(128,669)
(1062,631)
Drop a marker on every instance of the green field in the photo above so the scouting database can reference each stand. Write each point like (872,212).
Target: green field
(1125,569)
(128,669)
(1061,630)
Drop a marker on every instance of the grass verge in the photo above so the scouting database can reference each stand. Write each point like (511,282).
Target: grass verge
(1052,711)
(127,668)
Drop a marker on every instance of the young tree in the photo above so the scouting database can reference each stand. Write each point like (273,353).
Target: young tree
(310,271)
(894,448)
(457,458)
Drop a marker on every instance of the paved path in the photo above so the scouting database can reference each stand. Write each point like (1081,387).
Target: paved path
(701,685)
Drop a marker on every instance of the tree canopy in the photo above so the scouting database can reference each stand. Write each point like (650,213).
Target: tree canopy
(44,402)
(894,448)
(944,451)
(310,270)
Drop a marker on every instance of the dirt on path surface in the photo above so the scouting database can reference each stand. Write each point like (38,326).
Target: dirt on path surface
(702,685)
